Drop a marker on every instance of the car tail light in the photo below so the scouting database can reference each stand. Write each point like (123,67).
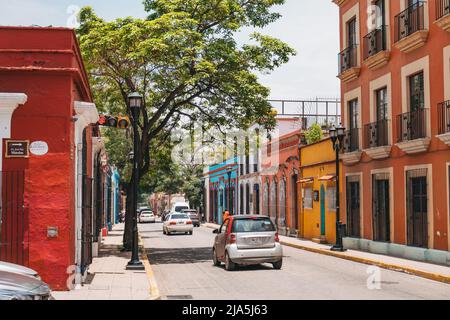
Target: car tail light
(173,223)
(188,222)
(231,238)
(277,237)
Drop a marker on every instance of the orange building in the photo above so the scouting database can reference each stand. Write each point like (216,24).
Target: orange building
(395,73)
(279,176)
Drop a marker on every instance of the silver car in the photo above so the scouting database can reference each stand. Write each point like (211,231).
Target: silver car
(247,240)
(178,223)
(14,268)
(16,286)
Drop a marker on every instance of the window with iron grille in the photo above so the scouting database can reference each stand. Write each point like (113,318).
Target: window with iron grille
(416,92)
(308,198)
(331,198)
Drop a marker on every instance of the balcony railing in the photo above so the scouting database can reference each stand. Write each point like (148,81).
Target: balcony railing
(444,117)
(412,125)
(348,58)
(376,134)
(351,140)
(410,21)
(442,8)
(375,42)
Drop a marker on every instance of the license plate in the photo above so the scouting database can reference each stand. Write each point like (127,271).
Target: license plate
(180,222)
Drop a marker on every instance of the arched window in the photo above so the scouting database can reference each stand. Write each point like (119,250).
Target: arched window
(282,197)
(266,198)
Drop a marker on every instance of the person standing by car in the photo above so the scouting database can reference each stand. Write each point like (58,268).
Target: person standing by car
(226,215)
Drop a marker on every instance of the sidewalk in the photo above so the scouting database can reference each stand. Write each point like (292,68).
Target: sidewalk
(108,279)
(421,269)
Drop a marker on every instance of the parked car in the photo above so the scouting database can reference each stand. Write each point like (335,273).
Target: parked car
(16,286)
(178,223)
(247,240)
(147,217)
(194,216)
(14,268)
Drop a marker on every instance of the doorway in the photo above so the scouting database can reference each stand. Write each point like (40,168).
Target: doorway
(381,208)
(353,207)
(417,204)
(322,211)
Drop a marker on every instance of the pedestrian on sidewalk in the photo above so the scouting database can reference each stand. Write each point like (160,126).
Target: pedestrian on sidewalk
(226,215)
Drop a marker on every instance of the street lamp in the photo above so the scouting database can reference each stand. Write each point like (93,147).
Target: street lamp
(337,137)
(135,103)
(229,172)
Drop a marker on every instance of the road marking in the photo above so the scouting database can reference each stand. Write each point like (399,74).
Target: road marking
(154,290)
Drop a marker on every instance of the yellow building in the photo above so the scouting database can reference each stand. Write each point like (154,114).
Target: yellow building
(318,192)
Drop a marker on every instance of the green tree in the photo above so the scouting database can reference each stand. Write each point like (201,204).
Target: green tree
(314,134)
(186,63)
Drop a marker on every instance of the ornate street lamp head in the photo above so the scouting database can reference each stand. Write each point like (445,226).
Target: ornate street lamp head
(135,102)
(340,133)
(333,134)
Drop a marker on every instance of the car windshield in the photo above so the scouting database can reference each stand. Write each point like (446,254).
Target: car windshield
(179,209)
(253,225)
(179,217)
(147,213)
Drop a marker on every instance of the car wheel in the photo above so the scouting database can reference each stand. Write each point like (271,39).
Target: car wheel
(216,261)
(191,233)
(229,265)
(164,231)
(278,265)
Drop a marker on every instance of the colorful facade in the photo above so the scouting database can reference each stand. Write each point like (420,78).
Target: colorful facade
(318,192)
(53,169)
(395,72)
(279,176)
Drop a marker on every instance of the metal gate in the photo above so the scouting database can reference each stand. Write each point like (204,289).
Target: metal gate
(87,219)
(14,220)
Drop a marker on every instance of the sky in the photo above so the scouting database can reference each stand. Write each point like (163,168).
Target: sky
(311,27)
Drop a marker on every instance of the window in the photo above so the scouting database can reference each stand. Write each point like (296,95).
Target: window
(282,198)
(253,225)
(331,198)
(266,199)
(308,198)
(351,32)
(353,114)
(381,96)
(381,13)
(416,92)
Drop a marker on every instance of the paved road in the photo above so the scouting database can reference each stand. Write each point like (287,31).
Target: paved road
(183,269)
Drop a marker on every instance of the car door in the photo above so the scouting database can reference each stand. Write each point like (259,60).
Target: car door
(221,239)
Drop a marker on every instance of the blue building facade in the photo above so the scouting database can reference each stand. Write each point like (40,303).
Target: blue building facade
(222,195)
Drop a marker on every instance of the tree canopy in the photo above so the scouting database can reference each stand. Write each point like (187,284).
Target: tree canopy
(185,62)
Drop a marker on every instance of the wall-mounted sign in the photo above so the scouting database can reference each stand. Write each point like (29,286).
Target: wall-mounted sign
(17,149)
(39,148)
(316,196)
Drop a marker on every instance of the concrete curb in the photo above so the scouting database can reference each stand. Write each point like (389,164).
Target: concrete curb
(154,290)
(387,266)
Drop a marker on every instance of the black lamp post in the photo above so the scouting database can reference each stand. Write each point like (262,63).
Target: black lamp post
(135,104)
(229,173)
(337,137)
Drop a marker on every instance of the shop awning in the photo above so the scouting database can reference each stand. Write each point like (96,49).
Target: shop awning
(328,178)
(307,180)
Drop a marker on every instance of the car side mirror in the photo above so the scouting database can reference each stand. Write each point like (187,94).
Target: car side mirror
(216,231)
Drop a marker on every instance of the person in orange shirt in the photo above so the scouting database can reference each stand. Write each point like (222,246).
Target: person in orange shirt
(226,215)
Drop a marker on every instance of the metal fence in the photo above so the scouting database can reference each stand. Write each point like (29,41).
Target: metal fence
(409,21)
(325,112)
(442,8)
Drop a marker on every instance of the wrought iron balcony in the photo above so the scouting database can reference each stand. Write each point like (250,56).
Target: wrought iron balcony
(442,8)
(351,141)
(375,42)
(444,117)
(410,21)
(348,59)
(376,134)
(412,125)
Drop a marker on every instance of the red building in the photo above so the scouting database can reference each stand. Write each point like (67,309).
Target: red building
(395,73)
(52,170)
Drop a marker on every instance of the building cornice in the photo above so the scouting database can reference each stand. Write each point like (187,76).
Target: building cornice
(339,2)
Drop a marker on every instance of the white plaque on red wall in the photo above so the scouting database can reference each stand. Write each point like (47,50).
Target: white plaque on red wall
(39,148)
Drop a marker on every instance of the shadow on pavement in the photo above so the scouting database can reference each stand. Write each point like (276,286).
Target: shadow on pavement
(158,256)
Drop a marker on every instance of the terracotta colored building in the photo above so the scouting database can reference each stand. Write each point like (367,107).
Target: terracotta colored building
(52,191)
(395,73)
(280,176)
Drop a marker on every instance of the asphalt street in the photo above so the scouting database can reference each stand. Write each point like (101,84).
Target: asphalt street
(183,268)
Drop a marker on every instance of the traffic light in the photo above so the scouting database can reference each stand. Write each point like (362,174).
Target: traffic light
(120,122)
(123,122)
